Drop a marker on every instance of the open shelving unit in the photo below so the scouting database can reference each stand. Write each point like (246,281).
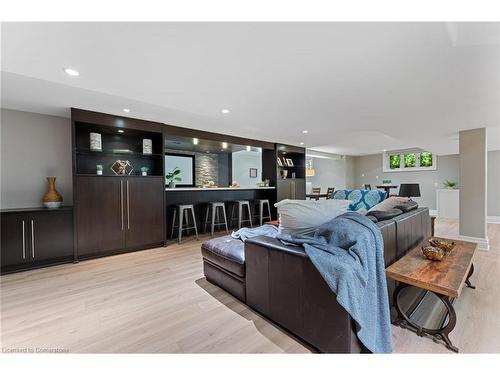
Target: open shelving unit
(117,146)
(290,187)
(297,156)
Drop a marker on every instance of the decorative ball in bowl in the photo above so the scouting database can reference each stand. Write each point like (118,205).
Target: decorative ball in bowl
(433,253)
(442,244)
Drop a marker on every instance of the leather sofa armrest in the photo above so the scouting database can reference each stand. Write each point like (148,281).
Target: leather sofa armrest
(276,245)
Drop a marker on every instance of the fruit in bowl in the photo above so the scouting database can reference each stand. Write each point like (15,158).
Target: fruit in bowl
(442,244)
(433,253)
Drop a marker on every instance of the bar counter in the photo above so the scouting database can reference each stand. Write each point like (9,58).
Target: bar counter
(218,188)
(199,197)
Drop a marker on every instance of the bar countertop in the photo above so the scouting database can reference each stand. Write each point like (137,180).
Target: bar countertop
(219,188)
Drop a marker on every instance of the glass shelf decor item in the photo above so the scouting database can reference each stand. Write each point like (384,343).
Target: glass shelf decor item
(122,168)
(147,146)
(144,171)
(95,142)
(99,169)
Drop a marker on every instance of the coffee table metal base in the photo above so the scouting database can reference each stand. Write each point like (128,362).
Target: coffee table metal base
(404,320)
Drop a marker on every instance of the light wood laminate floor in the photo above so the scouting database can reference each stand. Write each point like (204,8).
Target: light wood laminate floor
(158,301)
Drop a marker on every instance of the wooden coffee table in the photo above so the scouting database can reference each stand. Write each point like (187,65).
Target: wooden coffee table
(427,290)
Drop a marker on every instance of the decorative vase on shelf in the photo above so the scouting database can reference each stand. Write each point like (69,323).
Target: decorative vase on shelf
(52,199)
(171,185)
(147,146)
(95,142)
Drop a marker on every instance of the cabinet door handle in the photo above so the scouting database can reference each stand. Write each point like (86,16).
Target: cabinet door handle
(24,241)
(121,200)
(128,207)
(32,240)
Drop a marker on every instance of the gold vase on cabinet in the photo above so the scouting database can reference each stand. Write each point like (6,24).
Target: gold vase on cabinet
(52,199)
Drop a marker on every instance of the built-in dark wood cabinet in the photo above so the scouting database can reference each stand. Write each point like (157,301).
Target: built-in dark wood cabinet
(293,188)
(117,213)
(144,214)
(14,239)
(289,179)
(100,215)
(36,237)
(52,235)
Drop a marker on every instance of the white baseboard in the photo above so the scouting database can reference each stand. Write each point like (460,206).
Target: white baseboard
(493,219)
(483,243)
(489,219)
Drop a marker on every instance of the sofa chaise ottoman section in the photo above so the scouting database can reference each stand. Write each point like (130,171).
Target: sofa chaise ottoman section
(224,264)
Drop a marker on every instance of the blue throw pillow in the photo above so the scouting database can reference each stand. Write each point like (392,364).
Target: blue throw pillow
(360,199)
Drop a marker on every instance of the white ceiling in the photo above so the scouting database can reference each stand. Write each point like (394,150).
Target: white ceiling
(358,88)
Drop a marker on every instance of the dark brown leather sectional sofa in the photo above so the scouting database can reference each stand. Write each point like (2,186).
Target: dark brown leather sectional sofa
(282,284)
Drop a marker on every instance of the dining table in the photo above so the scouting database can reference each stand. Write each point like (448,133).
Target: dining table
(317,196)
(387,189)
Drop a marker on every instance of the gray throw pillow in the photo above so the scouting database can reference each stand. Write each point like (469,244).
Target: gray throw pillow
(408,206)
(386,215)
(372,218)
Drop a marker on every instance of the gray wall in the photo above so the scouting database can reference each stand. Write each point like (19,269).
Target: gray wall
(494,183)
(350,173)
(448,169)
(241,164)
(33,146)
(328,173)
(368,170)
(473,186)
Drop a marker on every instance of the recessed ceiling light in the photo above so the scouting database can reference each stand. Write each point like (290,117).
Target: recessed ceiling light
(121,131)
(249,148)
(301,143)
(195,141)
(126,110)
(224,144)
(225,111)
(305,131)
(71,72)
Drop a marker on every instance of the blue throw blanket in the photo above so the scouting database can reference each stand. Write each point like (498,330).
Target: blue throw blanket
(348,252)
(264,230)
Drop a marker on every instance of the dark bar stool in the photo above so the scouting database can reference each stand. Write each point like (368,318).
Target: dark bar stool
(215,207)
(240,206)
(261,203)
(183,213)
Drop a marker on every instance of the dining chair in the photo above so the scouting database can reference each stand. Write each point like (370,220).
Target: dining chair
(315,191)
(329,192)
